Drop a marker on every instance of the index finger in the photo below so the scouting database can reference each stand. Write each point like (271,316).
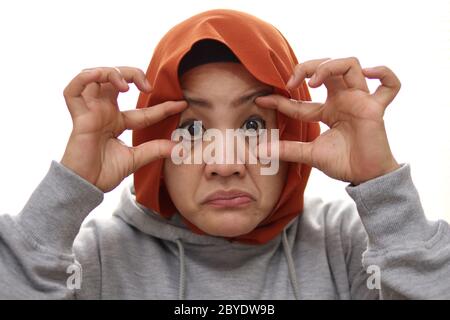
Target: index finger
(300,110)
(136,76)
(145,117)
(77,85)
(304,70)
(103,75)
(390,84)
(72,92)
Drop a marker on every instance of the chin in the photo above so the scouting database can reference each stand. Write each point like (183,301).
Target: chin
(228,224)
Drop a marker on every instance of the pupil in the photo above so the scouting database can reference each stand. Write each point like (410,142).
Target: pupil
(193,130)
(252,125)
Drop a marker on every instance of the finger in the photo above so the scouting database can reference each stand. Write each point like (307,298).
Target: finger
(151,151)
(72,92)
(348,68)
(128,75)
(111,75)
(290,151)
(335,84)
(145,117)
(390,84)
(77,85)
(302,71)
(136,76)
(301,110)
(307,69)
(296,151)
(92,90)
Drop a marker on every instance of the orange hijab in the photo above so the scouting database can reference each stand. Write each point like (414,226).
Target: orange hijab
(267,55)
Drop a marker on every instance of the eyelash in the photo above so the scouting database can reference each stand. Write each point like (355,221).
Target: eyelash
(186,124)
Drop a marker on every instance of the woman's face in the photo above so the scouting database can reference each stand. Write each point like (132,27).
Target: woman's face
(224,199)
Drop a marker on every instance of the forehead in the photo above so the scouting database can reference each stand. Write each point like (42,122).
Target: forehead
(219,77)
(221,91)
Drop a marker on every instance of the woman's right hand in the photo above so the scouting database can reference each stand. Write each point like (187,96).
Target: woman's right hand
(94,151)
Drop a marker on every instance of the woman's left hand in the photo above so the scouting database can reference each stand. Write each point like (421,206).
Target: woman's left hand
(355,149)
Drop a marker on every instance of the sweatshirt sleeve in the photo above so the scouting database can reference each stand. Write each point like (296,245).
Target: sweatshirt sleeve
(36,256)
(407,256)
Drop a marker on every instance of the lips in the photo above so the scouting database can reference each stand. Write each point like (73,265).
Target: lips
(230,199)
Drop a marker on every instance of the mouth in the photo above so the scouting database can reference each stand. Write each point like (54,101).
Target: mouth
(228,199)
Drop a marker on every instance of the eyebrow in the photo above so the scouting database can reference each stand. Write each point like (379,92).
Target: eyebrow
(237,102)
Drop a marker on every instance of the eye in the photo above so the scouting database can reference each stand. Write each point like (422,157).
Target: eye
(252,125)
(194,128)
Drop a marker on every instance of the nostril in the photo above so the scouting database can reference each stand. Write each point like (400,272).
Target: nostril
(237,173)
(224,170)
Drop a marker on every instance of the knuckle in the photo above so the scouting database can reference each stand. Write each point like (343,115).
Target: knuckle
(298,68)
(147,117)
(115,71)
(141,73)
(354,61)
(296,113)
(87,70)
(100,70)
(66,92)
(385,69)
(324,68)
(324,61)
(398,85)
(136,73)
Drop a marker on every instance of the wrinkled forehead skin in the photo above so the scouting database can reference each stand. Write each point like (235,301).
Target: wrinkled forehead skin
(267,55)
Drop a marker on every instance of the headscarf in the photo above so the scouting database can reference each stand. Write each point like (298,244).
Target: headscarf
(267,55)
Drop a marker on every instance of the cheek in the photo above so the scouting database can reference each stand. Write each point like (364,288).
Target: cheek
(182,182)
(269,186)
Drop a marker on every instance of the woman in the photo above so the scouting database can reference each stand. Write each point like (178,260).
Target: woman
(224,230)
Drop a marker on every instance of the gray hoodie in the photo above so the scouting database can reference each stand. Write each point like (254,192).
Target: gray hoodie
(379,246)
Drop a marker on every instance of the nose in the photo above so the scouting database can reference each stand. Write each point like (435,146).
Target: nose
(224,170)
(227,164)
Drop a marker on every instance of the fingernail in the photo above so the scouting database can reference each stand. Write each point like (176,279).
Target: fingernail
(313,78)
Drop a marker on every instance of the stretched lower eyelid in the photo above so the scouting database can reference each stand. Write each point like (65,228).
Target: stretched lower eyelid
(184,123)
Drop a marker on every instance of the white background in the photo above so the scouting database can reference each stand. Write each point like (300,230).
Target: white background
(46,43)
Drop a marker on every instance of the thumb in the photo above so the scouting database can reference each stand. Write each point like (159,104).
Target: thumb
(150,151)
(285,150)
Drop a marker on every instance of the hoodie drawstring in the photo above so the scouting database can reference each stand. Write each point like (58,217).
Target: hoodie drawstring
(287,252)
(181,287)
(291,266)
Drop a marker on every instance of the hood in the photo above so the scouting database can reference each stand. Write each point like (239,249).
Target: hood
(267,55)
(174,230)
